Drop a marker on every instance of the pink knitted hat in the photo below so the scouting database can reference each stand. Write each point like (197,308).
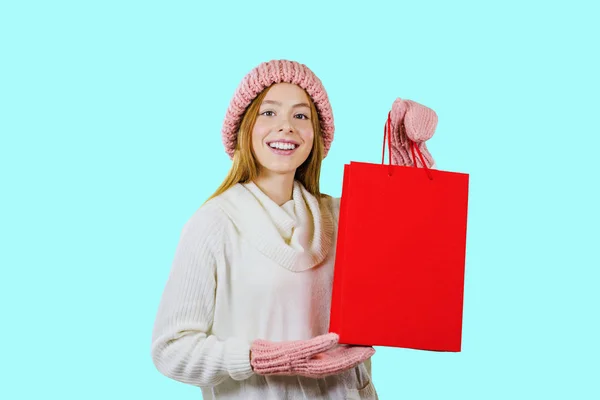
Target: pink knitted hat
(265,75)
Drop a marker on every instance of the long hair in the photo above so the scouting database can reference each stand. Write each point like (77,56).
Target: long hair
(245,167)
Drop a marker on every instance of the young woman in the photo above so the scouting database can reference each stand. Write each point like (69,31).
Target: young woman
(245,310)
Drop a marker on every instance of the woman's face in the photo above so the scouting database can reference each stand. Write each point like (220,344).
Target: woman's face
(283,134)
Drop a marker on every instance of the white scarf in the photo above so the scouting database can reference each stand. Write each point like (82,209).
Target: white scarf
(298,241)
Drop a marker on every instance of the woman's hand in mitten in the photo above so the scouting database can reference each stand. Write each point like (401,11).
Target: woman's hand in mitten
(317,357)
(411,121)
(337,360)
(284,358)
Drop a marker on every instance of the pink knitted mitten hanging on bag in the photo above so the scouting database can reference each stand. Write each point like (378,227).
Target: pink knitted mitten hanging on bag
(314,358)
(411,121)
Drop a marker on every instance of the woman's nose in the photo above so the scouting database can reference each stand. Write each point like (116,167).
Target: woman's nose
(285,126)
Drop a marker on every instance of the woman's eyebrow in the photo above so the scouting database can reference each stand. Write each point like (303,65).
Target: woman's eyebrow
(279,103)
(302,105)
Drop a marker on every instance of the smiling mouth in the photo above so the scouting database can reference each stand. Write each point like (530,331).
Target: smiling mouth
(285,146)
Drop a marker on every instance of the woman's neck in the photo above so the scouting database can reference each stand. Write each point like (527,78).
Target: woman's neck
(279,187)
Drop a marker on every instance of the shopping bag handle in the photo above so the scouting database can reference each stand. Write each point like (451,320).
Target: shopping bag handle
(387,129)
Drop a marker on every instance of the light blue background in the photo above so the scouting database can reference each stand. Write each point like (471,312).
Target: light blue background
(110,117)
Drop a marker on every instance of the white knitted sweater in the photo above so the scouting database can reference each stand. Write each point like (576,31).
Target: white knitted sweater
(246,268)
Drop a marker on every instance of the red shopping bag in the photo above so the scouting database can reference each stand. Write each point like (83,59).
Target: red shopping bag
(400,256)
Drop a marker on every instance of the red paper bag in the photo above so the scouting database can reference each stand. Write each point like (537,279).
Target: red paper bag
(400,256)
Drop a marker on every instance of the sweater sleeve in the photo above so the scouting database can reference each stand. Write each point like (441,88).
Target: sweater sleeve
(182,347)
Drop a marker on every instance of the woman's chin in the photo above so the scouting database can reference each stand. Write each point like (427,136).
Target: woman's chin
(281,165)
(280,168)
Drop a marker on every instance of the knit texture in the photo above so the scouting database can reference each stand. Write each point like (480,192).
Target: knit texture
(288,357)
(411,121)
(246,269)
(265,75)
(318,357)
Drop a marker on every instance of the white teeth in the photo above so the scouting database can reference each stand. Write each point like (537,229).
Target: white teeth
(283,146)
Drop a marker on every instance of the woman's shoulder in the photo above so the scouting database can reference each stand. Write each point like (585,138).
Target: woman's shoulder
(332,200)
(332,203)
(208,219)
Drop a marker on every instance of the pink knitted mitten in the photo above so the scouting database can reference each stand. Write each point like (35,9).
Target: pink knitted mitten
(411,121)
(338,359)
(314,358)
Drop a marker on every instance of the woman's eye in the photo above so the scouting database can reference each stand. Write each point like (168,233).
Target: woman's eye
(302,116)
(267,113)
